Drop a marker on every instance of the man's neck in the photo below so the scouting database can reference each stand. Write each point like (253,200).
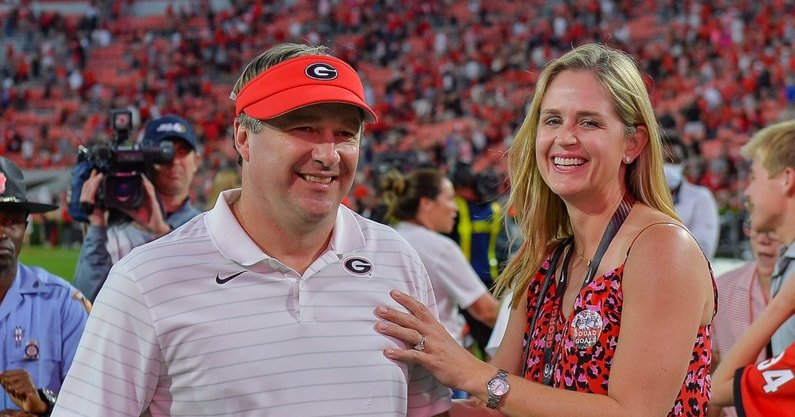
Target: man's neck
(296,247)
(296,250)
(764,284)
(7,276)
(172,203)
(786,231)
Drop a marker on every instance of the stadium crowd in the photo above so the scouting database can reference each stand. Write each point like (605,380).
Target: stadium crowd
(451,79)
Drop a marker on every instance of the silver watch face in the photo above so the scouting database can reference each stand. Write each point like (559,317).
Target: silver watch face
(498,387)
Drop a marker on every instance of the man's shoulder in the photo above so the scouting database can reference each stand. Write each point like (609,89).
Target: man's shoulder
(373,231)
(384,240)
(37,278)
(184,240)
(42,275)
(184,214)
(424,239)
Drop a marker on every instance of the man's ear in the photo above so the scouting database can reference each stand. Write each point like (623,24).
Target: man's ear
(788,178)
(198,162)
(241,140)
(636,142)
(425,205)
(423,209)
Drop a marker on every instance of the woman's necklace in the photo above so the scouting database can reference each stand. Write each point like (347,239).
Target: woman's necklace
(587,261)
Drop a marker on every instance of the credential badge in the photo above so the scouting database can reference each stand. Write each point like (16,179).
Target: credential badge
(32,350)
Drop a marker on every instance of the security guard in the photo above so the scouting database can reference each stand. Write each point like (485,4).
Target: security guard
(480,232)
(479,227)
(41,315)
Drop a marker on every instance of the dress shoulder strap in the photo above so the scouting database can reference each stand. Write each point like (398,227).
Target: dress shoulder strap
(650,225)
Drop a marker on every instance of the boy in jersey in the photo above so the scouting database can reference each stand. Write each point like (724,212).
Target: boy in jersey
(767,388)
(263,306)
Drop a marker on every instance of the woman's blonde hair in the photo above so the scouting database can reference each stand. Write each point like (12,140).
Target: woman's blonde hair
(541,214)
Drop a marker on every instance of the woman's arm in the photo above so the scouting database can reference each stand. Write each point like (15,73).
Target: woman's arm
(668,294)
(485,309)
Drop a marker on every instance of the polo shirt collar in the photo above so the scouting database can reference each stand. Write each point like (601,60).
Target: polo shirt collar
(235,244)
(347,235)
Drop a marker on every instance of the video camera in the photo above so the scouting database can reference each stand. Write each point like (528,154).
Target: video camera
(123,165)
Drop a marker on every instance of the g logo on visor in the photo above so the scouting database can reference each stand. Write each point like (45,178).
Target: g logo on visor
(321,71)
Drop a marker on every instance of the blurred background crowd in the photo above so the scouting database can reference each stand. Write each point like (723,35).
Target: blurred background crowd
(449,79)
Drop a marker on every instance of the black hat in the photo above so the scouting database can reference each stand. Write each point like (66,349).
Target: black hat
(13,189)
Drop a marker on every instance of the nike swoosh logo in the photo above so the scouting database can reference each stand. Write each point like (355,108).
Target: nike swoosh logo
(220,280)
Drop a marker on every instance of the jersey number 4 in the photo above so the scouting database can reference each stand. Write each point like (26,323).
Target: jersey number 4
(774,378)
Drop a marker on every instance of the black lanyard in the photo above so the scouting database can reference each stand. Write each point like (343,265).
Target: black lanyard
(616,221)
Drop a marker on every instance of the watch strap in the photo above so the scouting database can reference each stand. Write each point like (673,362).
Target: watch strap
(49,398)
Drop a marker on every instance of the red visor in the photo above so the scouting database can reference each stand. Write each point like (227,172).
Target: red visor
(300,82)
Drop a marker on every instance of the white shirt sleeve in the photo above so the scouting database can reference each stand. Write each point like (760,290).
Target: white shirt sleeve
(454,272)
(117,364)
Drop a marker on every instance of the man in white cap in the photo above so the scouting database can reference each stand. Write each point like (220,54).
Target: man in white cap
(265,304)
(41,315)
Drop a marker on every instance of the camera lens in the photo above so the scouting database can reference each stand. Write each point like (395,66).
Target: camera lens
(123,190)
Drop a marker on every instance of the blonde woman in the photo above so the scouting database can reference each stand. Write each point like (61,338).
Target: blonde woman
(613,296)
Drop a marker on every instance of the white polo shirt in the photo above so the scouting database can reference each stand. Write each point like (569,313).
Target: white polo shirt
(454,281)
(202,323)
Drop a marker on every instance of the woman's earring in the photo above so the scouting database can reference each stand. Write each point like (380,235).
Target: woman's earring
(627,159)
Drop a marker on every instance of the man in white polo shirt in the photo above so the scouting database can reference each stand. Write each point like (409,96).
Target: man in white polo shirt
(264,306)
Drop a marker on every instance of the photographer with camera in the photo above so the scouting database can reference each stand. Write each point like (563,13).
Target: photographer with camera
(126,209)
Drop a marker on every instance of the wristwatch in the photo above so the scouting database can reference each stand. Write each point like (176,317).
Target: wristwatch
(49,397)
(497,388)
